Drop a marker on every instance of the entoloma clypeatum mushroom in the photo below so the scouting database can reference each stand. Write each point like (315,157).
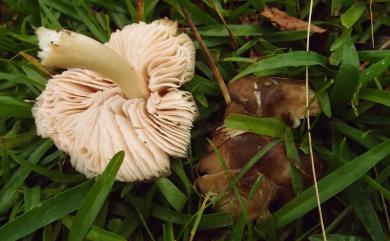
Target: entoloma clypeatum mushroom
(262,97)
(122,95)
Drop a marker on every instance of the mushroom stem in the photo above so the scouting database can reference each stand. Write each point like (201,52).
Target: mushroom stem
(67,49)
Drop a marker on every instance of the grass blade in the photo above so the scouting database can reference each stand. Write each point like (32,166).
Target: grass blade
(376,96)
(95,199)
(365,139)
(349,18)
(178,169)
(321,87)
(267,126)
(50,210)
(95,233)
(237,230)
(208,221)
(83,12)
(256,186)
(291,59)
(13,107)
(365,211)
(347,78)
(337,237)
(292,154)
(54,175)
(332,184)
(255,159)
(10,188)
(198,15)
(174,196)
(54,24)
(198,216)
(168,234)
(374,70)
(236,29)
(31,198)
(373,55)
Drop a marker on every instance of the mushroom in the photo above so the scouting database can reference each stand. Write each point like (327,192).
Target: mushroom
(271,97)
(121,95)
(268,96)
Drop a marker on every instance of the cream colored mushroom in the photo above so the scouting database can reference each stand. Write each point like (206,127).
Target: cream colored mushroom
(123,95)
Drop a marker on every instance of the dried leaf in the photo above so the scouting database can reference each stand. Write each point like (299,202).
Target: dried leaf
(34,61)
(286,22)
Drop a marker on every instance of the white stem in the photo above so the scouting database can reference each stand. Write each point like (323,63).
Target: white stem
(66,49)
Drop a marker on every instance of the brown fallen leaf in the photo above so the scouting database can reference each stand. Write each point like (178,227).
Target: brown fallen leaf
(286,22)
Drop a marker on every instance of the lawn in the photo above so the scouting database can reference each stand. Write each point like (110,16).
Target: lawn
(346,63)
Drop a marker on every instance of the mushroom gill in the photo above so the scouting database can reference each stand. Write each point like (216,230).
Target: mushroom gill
(123,96)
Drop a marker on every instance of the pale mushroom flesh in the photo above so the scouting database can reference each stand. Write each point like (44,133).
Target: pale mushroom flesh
(91,118)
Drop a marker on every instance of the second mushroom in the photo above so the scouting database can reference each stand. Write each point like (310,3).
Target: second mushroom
(262,97)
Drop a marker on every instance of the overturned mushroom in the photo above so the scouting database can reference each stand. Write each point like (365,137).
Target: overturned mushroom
(123,95)
(256,96)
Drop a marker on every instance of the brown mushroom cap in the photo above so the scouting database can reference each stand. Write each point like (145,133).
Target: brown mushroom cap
(90,118)
(271,97)
(268,96)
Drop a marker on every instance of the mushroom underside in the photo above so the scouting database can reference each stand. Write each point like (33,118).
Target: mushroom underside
(90,118)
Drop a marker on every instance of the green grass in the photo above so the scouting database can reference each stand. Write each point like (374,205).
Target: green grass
(43,198)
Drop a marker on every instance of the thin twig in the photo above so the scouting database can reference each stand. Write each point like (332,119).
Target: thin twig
(140,10)
(308,129)
(143,221)
(386,212)
(209,58)
(34,61)
(231,35)
(199,217)
(372,26)
(384,205)
(384,46)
